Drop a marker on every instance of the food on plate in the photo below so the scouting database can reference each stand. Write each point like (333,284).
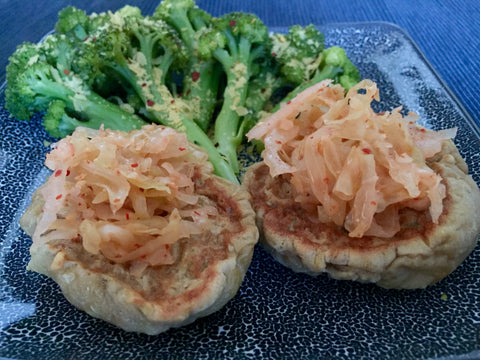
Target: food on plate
(210,77)
(137,230)
(360,195)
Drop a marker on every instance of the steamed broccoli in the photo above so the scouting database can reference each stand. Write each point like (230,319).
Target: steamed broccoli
(143,54)
(39,74)
(239,42)
(210,77)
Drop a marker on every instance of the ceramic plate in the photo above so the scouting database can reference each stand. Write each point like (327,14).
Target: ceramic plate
(276,313)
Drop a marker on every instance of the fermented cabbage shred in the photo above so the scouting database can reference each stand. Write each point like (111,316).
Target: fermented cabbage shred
(359,168)
(130,196)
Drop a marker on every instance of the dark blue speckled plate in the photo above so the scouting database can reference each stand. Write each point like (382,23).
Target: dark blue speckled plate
(277,313)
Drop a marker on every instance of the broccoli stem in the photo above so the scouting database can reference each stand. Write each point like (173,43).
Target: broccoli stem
(196,135)
(100,111)
(227,133)
(201,87)
(96,109)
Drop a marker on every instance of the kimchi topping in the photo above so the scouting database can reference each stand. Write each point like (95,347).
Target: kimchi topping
(129,196)
(361,167)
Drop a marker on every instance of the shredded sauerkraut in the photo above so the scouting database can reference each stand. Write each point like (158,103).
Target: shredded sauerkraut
(129,196)
(359,167)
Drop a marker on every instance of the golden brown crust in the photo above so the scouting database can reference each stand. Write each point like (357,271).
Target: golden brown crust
(210,270)
(419,255)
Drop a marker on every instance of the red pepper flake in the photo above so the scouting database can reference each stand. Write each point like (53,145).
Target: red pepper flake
(188,92)
(171,102)
(288,103)
(144,84)
(410,122)
(326,180)
(137,245)
(278,142)
(143,256)
(58,173)
(196,212)
(117,256)
(116,200)
(182,148)
(416,199)
(167,246)
(66,72)
(150,103)
(134,165)
(423,130)
(232,23)
(274,54)
(94,38)
(127,216)
(79,204)
(374,203)
(195,75)
(68,173)
(76,239)
(263,90)
(58,197)
(367,150)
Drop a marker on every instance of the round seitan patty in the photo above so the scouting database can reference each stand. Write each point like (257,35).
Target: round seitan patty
(421,254)
(207,275)
(137,230)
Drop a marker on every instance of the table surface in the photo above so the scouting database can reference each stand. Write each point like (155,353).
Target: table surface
(445,31)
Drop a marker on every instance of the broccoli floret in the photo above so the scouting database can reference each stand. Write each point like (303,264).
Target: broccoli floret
(35,80)
(304,62)
(238,41)
(335,60)
(298,52)
(200,76)
(72,21)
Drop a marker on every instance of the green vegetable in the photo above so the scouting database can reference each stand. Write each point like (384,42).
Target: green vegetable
(200,76)
(39,75)
(237,41)
(304,62)
(211,77)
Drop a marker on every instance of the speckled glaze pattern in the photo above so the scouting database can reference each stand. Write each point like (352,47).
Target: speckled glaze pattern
(276,313)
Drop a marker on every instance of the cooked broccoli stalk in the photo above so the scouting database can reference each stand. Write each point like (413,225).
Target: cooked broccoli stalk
(38,75)
(238,41)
